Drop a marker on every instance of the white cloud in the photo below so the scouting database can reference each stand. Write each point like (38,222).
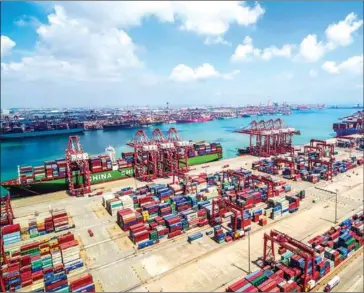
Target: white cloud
(353,65)
(216,40)
(202,17)
(68,43)
(330,67)
(310,49)
(341,33)
(184,73)
(40,67)
(246,51)
(7,45)
(285,51)
(230,75)
(313,73)
(337,34)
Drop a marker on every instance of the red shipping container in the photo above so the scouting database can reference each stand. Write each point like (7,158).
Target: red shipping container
(56,284)
(29,246)
(27,268)
(237,285)
(163,231)
(202,222)
(10,229)
(37,276)
(174,234)
(69,244)
(251,289)
(132,227)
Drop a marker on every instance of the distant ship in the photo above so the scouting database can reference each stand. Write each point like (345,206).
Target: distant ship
(120,125)
(15,131)
(350,125)
(192,119)
(148,123)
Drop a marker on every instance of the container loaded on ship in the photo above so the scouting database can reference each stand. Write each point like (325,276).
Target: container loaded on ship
(52,176)
(16,130)
(350,125)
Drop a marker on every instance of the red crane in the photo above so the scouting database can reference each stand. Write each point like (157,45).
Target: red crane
(166,162)
(292,245)
(6,209)
(145,157)
(78,172)
(220,206)
(290,164)
(269,138)
(267,181)
(183,147)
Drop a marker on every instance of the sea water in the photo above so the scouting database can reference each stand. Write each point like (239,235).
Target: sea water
(312,124)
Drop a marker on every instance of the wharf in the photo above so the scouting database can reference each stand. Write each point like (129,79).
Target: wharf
(204,265)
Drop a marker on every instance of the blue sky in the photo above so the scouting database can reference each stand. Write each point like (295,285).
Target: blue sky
(123,53)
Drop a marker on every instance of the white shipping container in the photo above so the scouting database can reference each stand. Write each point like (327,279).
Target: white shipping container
(71,258)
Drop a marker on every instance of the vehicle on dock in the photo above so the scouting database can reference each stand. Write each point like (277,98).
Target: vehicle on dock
(332,283)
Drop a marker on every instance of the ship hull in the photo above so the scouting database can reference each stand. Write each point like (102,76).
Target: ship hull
(42,187)
(193,120)
(119,127)
(18,136)
(344,132)
(60,184)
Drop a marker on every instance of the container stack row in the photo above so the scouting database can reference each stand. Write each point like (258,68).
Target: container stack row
(44,266)
(301,171)
(332,248)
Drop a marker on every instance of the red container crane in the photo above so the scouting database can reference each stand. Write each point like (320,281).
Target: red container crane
(182,147)
(291,244)
(78,172)
(145,157)
(269,138)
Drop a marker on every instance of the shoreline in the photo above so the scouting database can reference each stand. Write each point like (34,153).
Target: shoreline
(212,167)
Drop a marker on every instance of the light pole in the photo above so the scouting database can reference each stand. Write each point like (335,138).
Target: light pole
(337,192)
(249,250)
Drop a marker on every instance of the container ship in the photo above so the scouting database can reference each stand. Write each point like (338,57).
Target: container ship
(14,131)
(52,176)
(116,125)
(194,119)
(350,125)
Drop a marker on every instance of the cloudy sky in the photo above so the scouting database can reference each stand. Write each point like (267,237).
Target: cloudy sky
(132,53)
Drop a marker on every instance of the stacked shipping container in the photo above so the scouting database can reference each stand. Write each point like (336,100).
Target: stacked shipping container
(43,266)
(332,248)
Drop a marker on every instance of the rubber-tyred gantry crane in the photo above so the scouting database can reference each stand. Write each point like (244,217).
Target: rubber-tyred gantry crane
(78,172)
(269,138)
(291,164)
(222,205)
(291,244)
(145,157)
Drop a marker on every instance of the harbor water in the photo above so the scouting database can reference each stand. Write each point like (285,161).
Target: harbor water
(312,124)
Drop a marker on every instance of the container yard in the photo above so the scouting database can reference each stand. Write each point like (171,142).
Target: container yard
(207,217)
